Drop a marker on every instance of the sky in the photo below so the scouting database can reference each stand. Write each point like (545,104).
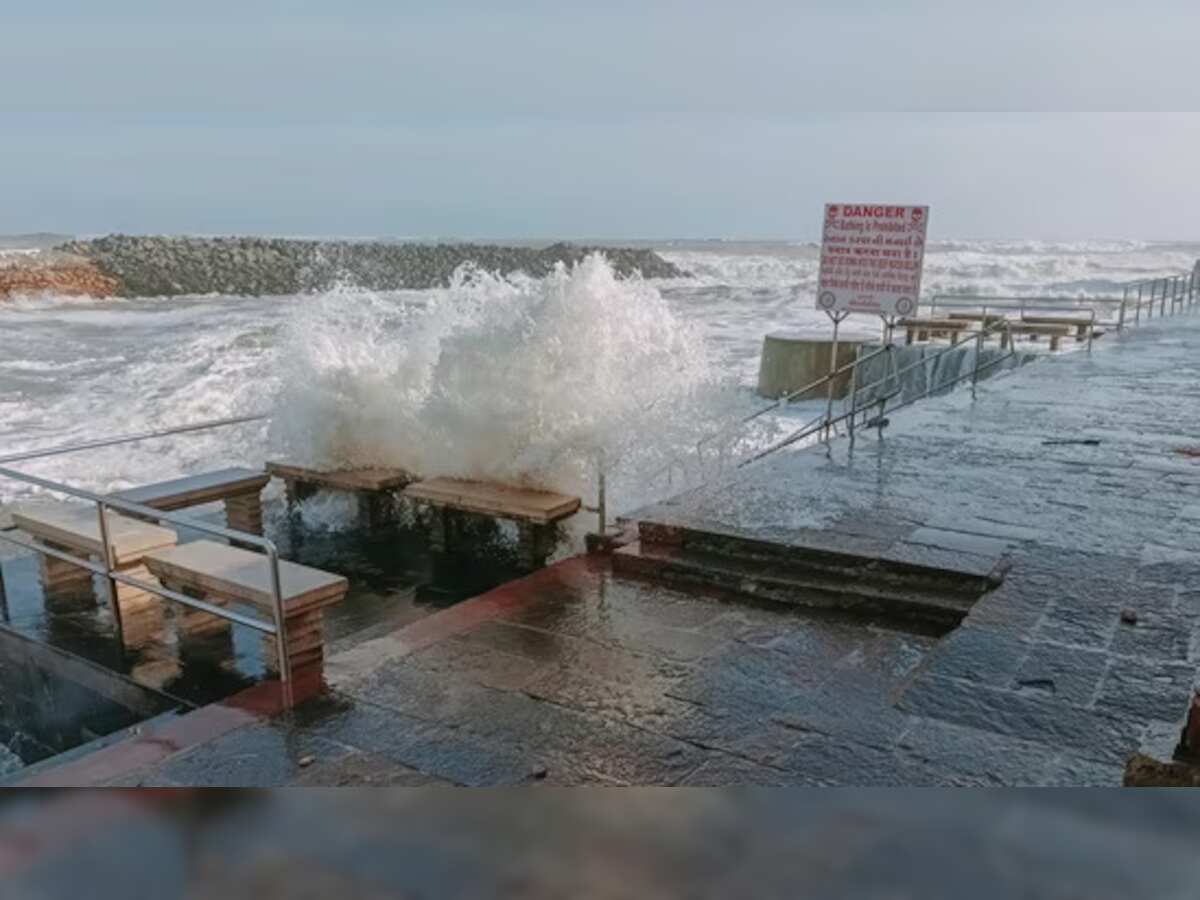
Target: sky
(532,119)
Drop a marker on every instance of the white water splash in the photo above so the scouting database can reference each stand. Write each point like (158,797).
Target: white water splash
(511,379)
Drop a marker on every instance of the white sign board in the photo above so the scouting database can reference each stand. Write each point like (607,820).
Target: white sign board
(871,258)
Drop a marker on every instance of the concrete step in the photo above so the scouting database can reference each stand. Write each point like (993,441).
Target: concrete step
(842,563)
(860,593)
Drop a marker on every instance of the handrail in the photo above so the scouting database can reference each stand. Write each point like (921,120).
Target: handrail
(108,570)
(127,439)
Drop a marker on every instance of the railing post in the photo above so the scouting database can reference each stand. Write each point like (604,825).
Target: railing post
(281,647)
(107,557)
(601,492)
(1162,301)
(1137,311)
(3,599)
(833,366)
(983,327)
(1124,301)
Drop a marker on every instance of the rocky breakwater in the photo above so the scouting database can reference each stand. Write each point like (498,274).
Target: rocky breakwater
(166,266)
(53,273)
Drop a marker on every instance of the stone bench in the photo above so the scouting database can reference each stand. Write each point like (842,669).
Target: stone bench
(1055,332)
(924,329)
(220,574)
(76,530)
(373,488)
(536,512)
(240,489)
(1081,326)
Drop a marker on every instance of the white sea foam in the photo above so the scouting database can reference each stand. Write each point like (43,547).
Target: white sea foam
(512,379)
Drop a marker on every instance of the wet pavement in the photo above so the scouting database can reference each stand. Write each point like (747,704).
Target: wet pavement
(575,676)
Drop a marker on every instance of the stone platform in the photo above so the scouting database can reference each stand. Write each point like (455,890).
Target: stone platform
(1081,470)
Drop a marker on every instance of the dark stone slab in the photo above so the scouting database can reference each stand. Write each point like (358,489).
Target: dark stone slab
(364,770)
(1070,674)
(1147,688)
(977,654)
(984,757)
(1091,734)
(258,755)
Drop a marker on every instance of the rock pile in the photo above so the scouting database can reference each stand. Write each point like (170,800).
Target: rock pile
(165,266)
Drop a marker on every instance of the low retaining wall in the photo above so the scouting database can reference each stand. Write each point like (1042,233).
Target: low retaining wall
(790,360)
(166,266)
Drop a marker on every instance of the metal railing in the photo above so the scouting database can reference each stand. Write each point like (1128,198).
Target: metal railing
(107,568)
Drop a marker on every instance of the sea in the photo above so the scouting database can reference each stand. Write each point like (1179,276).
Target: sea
(545,381)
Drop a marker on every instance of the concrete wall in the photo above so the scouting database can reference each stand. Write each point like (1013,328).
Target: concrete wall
(790,360)
(52,701)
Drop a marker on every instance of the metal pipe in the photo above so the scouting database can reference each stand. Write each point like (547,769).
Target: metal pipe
(126,439)
(1137,312)
(285,664)
(853,399)
(602,493)
(1121,317)
(4,617)
(110,585)
(107,570)
(978,354)
(184,599)
(833,350)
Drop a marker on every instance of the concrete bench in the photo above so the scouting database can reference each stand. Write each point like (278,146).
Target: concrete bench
(984,319)
(536,512)
(372,488)
(1081,326)
(924,329)
(1055,332)
(240,489)
(220,574)
(76,530)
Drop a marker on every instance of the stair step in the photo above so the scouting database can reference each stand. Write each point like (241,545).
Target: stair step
(825,563)
(794,585)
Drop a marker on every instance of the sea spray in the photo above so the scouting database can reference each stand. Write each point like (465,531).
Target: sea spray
(513,379)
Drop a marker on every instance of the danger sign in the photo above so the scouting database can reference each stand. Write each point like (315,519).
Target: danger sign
(871,258)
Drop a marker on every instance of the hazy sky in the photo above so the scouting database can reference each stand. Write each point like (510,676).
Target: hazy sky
(523,118)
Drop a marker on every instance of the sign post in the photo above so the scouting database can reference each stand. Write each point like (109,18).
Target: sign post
(871,261)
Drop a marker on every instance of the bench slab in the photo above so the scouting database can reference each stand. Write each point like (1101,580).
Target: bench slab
(195,490)
(78,528)
(500,500)
(344,479)
(236,574)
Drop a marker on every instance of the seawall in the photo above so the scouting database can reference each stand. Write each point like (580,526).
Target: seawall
(167,266)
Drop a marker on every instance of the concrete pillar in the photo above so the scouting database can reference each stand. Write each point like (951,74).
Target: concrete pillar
(534,544)
(143,614)
(62,580)
(790,360)
(244,513)
(305,637)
